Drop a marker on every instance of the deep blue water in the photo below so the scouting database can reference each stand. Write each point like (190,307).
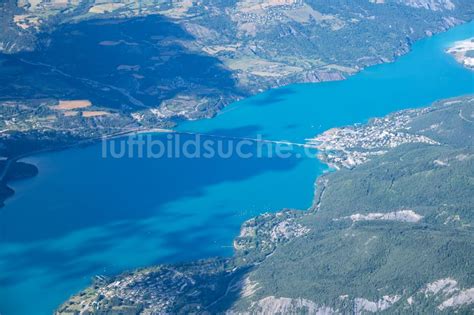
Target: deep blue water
(300,111)
(85,215)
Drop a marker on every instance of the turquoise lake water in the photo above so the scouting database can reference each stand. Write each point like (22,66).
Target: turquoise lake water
(84,215)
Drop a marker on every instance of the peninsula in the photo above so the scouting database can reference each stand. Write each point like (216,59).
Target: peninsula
(463,52)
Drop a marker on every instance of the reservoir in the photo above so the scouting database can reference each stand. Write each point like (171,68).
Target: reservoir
(86,214)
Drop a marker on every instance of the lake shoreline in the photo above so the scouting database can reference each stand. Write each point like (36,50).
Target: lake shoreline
(254,244)
(306,134)
(92,141)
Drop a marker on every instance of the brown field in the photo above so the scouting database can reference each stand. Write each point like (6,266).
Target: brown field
(94,113)
(72,104)
(105,7)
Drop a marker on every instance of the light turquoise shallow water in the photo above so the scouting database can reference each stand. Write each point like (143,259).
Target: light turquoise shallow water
(85,215)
